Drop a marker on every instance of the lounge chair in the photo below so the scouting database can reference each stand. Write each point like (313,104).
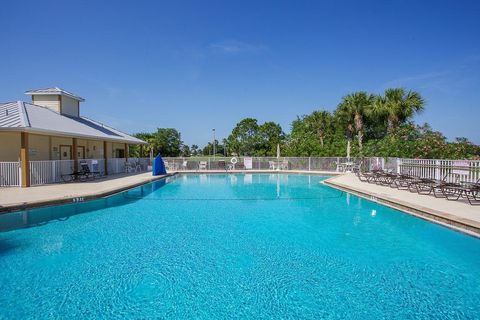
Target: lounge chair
(429,186)
(87,172)
(364,176)
(83,173)
(470,191)
(404,181)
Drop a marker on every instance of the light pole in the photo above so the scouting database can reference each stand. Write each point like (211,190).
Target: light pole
(214,151)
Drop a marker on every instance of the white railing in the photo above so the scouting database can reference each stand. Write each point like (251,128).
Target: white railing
(116,165)
(139,163)
(10,174)
(464,170)
(49,171)
(95,165)
(324,164)
(54,171)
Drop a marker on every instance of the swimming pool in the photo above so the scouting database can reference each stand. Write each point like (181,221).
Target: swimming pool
(234,246)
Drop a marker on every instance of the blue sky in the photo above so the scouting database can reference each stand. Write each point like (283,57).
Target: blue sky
(198,65)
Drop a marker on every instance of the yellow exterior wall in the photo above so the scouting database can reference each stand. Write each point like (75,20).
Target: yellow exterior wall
(9,146)
(56,142)
(38,147)
(94,149)
(49,101)
(43,147)
(116,146)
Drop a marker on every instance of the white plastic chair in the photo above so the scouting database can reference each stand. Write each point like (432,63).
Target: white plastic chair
(271,165)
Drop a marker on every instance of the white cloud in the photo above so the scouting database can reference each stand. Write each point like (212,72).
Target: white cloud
(236,47)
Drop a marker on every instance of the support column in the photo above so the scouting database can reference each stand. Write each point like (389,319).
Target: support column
(105,157)
(126,152)
(24,160)
(75,154)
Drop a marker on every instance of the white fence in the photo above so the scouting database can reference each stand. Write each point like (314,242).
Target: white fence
(465,170)
(327,164)
(51,171)
(54,171)
(10,174)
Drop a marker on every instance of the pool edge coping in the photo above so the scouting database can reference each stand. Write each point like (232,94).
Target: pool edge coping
(77,199)
(467,227)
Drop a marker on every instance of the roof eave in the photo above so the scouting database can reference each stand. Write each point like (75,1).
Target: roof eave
(66,134)
(33,93)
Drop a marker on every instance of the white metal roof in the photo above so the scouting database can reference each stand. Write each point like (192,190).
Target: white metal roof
(24,116)
(54,90)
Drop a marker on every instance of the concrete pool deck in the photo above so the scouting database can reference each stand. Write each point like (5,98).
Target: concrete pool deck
(454,214)
(15,198)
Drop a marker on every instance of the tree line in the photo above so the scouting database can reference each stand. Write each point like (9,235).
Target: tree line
(366,124)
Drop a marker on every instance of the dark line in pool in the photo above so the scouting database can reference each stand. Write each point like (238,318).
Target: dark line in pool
(230,199)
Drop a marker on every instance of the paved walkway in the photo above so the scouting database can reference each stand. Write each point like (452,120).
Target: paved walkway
(18,198)
(457,214)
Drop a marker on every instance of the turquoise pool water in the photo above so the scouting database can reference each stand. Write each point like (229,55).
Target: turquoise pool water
(234,246)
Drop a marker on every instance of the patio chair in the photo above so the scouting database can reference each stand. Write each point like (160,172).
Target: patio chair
(428,186)
(363,176)
(133,166)
(129,167)
(374,176)
(404,181)
(272,165)
(87,172)
(222,165)
(83,173)
(468,190)
(284,165)
(202,165)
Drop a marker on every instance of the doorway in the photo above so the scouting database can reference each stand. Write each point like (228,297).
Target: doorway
(119,153)
(81,152)
(65,152)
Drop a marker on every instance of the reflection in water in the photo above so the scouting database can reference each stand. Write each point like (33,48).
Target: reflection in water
(278,186)
(41,216)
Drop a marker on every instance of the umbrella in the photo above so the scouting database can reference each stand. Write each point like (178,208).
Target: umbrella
(348,150)
(278,156)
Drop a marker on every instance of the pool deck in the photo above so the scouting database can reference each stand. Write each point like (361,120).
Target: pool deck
(458,215)
(12,199)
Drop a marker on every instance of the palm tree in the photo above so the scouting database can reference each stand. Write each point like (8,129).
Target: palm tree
(352,112)
(320,121)
(398,106)
(149,148)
